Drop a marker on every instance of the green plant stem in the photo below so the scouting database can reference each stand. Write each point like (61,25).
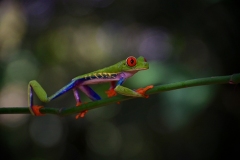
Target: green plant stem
(231,79)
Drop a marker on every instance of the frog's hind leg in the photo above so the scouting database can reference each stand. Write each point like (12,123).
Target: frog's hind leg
(90,93)
(34,86)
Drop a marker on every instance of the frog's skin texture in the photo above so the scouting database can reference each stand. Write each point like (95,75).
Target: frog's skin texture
(115,74)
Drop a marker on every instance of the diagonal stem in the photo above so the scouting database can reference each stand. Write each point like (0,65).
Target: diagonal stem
(231,79)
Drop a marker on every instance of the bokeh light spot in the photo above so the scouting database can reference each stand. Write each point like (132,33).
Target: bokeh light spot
(104,138)
(155,44)
(20,70)
(46,131)
(133,141)
(13,95)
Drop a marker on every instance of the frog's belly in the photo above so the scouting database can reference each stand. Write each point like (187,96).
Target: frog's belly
(97,81)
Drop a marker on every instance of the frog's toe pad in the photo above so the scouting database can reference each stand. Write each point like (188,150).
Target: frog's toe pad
(81,114)
(111,93)
(78,104)
(143,90)
(36,110)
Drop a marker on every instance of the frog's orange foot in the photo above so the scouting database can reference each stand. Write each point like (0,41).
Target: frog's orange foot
(111,93)
(78,104)
(81,114)
(143,90)
(36,110)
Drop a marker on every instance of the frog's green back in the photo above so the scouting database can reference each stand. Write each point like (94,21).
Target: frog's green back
(122,66)
(116,68)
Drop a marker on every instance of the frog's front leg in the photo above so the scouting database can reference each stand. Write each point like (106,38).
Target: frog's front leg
(111,92)
(134,93)
(129,92)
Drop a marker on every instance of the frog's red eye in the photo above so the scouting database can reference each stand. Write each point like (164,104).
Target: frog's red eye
(131,61)
(145,60)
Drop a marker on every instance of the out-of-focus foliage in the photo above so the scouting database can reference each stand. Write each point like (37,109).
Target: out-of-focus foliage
(54,41)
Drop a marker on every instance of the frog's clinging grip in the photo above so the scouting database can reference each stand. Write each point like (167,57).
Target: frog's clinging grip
(115,74)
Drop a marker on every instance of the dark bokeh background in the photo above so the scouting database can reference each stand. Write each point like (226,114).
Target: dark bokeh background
(53,41)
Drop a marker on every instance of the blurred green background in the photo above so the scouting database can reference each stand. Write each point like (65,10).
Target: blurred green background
(54,41)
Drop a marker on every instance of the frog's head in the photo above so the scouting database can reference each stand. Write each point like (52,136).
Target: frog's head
(132,64)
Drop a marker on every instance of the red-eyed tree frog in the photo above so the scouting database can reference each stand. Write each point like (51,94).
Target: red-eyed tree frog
(115,74)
